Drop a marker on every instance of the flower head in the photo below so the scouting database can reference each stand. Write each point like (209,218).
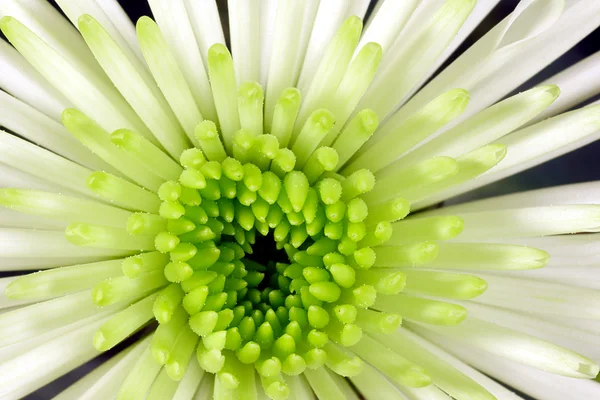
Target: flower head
(259,224)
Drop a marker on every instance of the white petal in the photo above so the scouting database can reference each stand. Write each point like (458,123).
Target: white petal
(5,302)
(146,99)
(405,67)
(370,382)
(21,80)
(534,297)
(92,94)
(41,163)
(497,53)
(430,392)
(205,391)
(31,244)
(176,26)
(14,178)
(206,22)
(387,22)
(488,125)
(47,23)
(104,381)
(284,54)
(358,8)
(565,250)
(577,84)
(481,10)
(52,359)
(330,16)
(586,276)
(268,12)
(539,384)
(15,219)
(38,128)
(73,9)
(244,31)
(515,346)
(121,21)
(577,193)
(530,222)
(562,335)
(194,375)
(492,386)
(34,320)
(539,143)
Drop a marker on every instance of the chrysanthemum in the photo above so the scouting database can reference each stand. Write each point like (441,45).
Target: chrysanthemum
(252,221)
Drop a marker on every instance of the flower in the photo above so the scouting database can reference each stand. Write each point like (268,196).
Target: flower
(239,226)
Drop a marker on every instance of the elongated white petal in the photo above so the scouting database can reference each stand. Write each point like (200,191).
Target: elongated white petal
(284,54)
(56,206)
(268,12)
(9,352)
(146,100)
(330,16)
(576,83)
(15,219)
(577,193)
(387,21)
(488,256)
(31,243)
(188,386)
(30,321)
(398,75)
(139,378)
(244,30)
(563,335)
(300,388)
(481,10)
(311,7)
(372,384)
(122,22)
(5,302)
(530,296)
(205,20)
(41,129)
(586,276)
(20,79)
(489,125)
(508,39)
(168,76)
(430,392)
(41,365)
(470,167)
(176,25)
(43,164)
(41,262)
(96,97)
(540,384)
(541,142)
(163,387)
(497,390)
(47,23)
(74,9)
(515,346)
(565,250)
(444,375)
(97,140)
(529,222)
(15,178)
(57,282)
(104,381)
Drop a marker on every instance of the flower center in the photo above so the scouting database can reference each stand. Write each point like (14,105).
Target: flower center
(257,258)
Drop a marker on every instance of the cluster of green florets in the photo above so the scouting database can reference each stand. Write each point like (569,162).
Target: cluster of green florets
(246,307)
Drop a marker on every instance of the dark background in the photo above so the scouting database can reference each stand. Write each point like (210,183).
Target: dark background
(578,166)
